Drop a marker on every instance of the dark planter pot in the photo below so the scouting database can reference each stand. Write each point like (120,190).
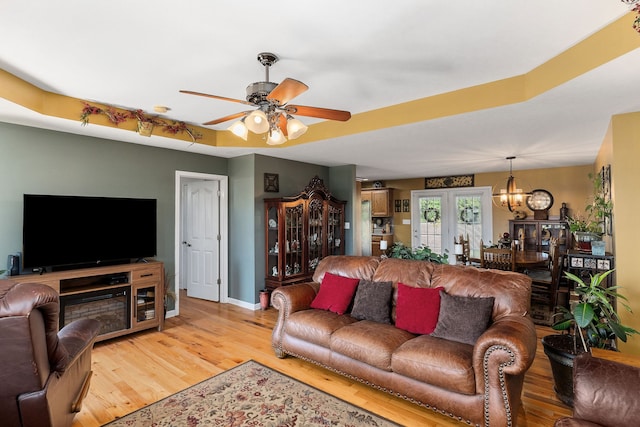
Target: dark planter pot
(559,350)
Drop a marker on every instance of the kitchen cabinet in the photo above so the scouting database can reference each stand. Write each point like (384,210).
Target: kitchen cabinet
(381,201)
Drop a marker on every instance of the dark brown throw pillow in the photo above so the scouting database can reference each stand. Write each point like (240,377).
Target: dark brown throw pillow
(463,319)
(373,301)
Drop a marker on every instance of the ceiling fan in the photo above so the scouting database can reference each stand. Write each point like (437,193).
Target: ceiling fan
(274,114)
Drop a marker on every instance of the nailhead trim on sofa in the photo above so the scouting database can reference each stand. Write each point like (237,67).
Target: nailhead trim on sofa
(433,408)
(502,382)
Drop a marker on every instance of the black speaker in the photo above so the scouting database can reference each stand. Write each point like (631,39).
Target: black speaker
(13,265)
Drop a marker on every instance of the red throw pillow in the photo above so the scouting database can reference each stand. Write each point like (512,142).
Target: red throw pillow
(417,309)
(335,293)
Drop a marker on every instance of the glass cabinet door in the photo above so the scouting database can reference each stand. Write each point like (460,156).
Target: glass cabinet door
(316,233)
(335,239)
(272,240)
(559,230)
(526,233)
(291,246)
(145,299)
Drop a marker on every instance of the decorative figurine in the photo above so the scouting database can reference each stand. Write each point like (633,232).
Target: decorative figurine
(564,212)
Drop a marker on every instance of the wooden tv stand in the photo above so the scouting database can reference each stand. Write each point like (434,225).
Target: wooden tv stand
(144,282)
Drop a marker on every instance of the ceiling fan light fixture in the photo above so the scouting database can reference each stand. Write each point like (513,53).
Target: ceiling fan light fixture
(257,122)
(239,129)
(295,127)
(276,137)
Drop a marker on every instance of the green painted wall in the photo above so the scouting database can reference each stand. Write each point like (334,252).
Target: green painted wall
(293,177)
(46,162)
(342,181)
(242,230)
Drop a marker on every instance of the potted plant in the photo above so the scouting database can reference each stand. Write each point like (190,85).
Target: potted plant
(588,227)
(423,253)
(592,322)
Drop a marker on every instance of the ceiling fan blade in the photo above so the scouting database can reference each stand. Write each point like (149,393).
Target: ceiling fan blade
(287,90)
(216,97)
(321,113)
(282,124)
(226,118)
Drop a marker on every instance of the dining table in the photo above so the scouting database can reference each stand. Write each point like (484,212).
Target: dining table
(524,259)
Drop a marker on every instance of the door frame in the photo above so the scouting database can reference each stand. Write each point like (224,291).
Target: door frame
(181,178)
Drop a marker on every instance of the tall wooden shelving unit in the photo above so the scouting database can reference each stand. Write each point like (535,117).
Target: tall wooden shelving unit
(300,231)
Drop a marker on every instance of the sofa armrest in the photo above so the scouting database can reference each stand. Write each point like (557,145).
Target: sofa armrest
(605,392)
(501,357)
(292,298)
(517,334)
(288,300)
(78,337)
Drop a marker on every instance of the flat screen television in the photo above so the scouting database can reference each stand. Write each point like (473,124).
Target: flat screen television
(61,232)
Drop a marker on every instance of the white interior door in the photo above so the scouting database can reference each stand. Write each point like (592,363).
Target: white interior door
(202,239)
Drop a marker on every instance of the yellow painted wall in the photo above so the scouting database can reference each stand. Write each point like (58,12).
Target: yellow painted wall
(570,185)
(622,146)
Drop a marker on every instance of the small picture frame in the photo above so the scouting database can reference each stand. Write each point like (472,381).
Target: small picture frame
(397,206)
(405,205)
(271,184)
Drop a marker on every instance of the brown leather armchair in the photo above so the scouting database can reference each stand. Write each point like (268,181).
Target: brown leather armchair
(605,394)
(44,374)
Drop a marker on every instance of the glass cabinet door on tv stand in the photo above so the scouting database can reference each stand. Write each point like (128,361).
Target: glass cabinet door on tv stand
(300,231)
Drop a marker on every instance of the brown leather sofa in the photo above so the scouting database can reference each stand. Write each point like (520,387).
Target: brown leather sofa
(44,374)
(478,384)
(606,394)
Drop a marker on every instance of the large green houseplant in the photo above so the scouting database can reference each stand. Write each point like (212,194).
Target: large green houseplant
(423,253)
(594,319)
(589,226)
(591,322)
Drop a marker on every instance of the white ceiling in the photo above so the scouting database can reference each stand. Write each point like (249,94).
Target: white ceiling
(353,56)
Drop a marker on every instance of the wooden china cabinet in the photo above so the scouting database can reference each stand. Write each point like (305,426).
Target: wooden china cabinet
(300,231)
(536,234)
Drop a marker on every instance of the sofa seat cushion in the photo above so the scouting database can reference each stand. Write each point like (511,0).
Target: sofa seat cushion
(316,326)
(443,363)
(369,342)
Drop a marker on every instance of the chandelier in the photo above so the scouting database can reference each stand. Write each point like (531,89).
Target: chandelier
(511,197)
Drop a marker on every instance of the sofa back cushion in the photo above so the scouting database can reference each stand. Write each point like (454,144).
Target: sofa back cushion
(511,291)
(357,267)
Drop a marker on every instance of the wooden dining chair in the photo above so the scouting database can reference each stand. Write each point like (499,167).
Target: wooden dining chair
(546,280)
(498,259)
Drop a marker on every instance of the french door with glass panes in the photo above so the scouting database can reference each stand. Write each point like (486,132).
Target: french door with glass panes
(438,217)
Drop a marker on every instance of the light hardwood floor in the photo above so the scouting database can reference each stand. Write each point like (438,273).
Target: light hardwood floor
(208,338)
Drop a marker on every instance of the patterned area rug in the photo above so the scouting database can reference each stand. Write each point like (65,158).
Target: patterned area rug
(251,395)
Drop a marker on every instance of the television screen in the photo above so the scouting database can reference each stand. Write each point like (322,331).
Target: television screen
(78,230)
